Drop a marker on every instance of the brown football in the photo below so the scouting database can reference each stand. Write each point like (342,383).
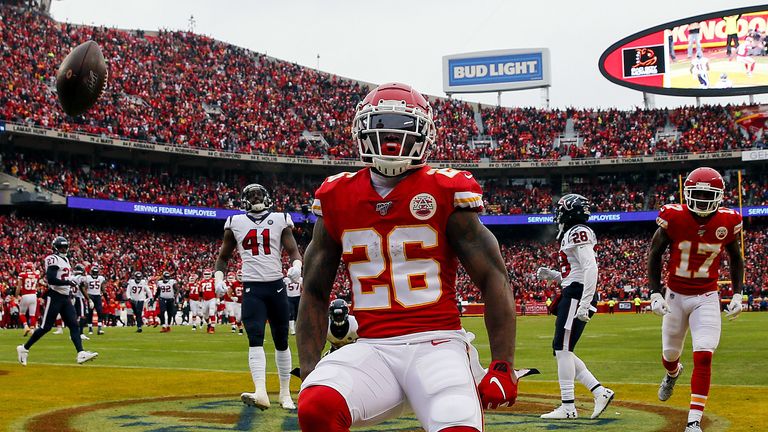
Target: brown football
(81,79)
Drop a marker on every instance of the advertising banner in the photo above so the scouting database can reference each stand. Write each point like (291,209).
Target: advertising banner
(491,71)
(298,217)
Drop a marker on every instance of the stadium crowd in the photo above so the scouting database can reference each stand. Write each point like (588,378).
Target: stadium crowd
(115,180)
(187,89)
(122,251)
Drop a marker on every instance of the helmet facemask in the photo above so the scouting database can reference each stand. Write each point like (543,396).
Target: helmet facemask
(255,198)
(393,137)
(702,198)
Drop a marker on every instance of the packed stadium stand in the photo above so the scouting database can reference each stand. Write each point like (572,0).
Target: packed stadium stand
(190,90)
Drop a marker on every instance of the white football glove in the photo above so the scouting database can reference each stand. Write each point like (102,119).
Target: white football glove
(546,274)
(221,288)
(294,273)
(583,314)
(234,298)
(218,276)
(659,306)
(734,307)
(90,304)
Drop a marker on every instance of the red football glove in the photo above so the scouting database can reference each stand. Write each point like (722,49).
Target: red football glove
(498,388)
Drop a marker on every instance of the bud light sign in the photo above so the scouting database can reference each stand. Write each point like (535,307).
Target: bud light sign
(491,71)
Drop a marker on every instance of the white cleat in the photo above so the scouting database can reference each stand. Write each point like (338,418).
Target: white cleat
(667,385)
(560,413)
(84,337)
(85,356)
(59,330)
(286,402)
(601,402)
(23,353)
(693,427)
(259,399)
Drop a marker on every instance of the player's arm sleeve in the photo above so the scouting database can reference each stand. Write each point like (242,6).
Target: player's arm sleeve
(586,256)
(288,219)
(52,278)
(467,193)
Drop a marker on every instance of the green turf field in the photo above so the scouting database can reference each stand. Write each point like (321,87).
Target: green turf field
(185,381)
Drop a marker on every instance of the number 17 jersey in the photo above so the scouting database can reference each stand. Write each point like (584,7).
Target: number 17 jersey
(694,260)
(258,237)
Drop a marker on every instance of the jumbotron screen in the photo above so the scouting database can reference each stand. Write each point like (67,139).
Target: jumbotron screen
(716,54)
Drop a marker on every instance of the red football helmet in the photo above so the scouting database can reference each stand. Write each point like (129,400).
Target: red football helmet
(29,266)
(207,274)
(703,191)
(240,275)
(394,129)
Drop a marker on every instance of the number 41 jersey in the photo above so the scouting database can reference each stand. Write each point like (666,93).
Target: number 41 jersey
(694,261)
(258,237)
(402,269)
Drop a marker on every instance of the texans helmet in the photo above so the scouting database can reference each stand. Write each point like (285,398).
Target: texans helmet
(95,270)
(572,209)
(703,190)
(338,311)
(394,129)
(137,276)
(255,198)
(61,245)
(79,269)
(166,276)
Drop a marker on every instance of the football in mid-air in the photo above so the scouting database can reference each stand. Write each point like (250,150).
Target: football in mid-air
(81,79)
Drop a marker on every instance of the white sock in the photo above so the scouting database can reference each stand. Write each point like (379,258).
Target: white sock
(585,376)
(695,415)
(292,326)
(257,362)
(566,371)
(283,360)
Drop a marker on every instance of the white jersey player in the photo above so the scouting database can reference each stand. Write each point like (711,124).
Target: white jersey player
(342,328)
(57,275)
(94,285)
(260,236)
(166,298)
(578,278)
(293,288)
(138,292)
(700,71)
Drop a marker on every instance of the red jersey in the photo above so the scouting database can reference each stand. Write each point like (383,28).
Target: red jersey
(402,269)
(694,262)
(237,290)
(29,282)
(194,291)
(208,288)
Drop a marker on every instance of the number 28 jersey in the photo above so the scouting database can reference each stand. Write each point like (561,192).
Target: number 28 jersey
(258,238)
(694,262)
(571,269)
(402,269)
